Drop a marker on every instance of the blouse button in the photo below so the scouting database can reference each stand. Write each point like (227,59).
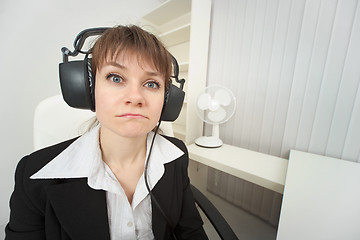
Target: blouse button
(129,224)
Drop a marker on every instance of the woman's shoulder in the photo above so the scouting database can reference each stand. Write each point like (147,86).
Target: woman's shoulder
(33,192)
(177,142)
(183,160)
(38,159)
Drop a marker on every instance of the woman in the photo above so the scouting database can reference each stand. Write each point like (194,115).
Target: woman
(94,187)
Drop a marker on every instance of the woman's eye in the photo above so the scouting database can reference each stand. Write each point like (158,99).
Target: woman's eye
(152,85)
(114,78)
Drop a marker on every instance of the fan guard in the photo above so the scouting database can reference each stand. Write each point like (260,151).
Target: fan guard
(215,105)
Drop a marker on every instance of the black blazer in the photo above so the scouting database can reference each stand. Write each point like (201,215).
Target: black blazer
(63,209)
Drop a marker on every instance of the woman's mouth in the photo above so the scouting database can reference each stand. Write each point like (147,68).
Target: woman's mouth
(132,115)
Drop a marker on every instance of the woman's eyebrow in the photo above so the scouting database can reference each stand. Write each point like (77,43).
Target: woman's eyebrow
(115,64)
(154,74)
(118,65)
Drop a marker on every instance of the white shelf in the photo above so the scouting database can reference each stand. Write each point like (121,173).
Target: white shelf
(184,27)
(176,36)
(179,129)
(168,11)
(262,169)
(184,66)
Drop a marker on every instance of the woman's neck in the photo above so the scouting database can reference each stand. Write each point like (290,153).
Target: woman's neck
(121,151)
(125,157)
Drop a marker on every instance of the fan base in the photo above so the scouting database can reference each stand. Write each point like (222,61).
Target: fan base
(209,142)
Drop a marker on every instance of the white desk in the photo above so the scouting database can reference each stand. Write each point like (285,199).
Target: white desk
(321,199)
(262,169)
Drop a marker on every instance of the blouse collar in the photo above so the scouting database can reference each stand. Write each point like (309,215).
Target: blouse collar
(82,159)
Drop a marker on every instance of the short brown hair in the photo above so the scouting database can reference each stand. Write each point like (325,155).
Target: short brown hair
(118,39)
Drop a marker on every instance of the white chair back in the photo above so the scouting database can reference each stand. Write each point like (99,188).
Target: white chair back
(55,121)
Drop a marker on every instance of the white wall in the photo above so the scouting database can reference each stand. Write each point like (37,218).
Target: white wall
(32,34)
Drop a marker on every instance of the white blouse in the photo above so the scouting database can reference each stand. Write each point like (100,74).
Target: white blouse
(83,159)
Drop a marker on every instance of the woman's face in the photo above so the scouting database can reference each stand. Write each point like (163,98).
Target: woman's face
(129,96)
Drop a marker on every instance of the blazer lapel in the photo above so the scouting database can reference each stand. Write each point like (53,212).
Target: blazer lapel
(81,210)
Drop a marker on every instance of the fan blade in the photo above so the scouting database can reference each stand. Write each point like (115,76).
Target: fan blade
(204,101)
(223,97)
(218,115)
(213,105)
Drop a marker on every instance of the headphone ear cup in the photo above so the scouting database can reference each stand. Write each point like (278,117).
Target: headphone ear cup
(173,102)
(77,84)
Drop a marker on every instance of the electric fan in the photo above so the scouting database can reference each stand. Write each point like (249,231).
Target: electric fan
(215,105)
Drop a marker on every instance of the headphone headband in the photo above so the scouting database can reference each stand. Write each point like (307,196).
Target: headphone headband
(78,83)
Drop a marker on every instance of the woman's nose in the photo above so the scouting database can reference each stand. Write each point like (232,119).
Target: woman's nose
(134,95)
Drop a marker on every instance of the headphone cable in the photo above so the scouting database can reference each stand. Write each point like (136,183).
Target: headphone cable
(153,198)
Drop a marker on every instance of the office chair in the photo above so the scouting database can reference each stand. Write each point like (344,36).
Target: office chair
(55,121)
(222,228)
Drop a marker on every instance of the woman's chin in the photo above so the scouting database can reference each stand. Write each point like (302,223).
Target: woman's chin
(133,132)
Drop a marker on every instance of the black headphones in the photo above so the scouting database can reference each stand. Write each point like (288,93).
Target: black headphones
(78,82)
